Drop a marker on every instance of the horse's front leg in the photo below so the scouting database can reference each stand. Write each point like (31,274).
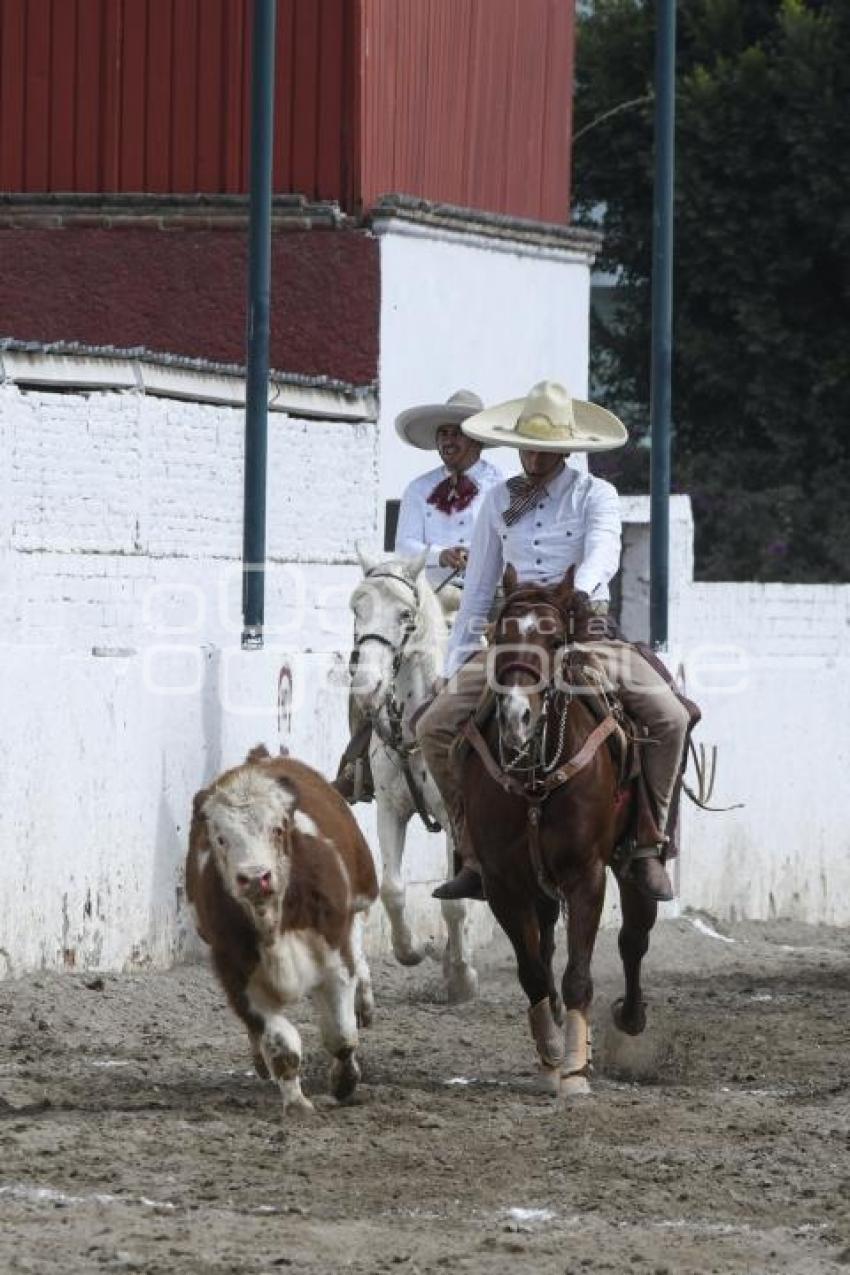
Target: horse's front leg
(391,834)
(584,910)
(639,915)
(518,917)
(458,970)
(548,911)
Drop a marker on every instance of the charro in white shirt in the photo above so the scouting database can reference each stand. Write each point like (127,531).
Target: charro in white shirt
(576,522)
(421,525)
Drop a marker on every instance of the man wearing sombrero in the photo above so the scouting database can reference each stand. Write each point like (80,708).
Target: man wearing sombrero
(439,508)
(543,522)
(437,513)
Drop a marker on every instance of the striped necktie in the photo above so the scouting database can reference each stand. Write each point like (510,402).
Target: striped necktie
(525,493)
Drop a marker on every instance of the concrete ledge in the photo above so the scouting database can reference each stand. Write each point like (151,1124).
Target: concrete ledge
(393,212)
(60,366)
(58,211)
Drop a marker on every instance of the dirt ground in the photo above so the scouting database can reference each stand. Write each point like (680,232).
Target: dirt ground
(134,1137)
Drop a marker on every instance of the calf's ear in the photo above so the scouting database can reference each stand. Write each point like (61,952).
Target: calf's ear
(291,795)
(198,802)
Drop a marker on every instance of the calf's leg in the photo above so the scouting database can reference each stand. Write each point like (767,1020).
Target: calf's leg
(280,1046)
(275,1043)
(233,980)
(336,997)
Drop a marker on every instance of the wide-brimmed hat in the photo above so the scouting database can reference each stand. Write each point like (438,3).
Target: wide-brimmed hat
(548,419)
(418,425)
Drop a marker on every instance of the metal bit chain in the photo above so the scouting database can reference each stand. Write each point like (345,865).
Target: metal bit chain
(538,744)
(549,766)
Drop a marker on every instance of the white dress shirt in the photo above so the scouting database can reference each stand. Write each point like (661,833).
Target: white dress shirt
(576,523)
(421,524)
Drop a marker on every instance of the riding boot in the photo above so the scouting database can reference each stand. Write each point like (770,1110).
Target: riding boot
(647,873)
(467,884)
(354,778)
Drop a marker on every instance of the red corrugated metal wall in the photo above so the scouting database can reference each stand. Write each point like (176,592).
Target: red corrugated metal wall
(468,101)
(153,95)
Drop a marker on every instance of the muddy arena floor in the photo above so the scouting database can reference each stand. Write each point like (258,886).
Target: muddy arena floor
(133,1136)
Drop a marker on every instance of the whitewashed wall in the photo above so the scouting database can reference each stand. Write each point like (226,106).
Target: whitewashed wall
(122,681)
(460,310)
(123,686)
(770,667)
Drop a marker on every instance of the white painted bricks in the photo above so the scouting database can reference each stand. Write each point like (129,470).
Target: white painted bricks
(124,473)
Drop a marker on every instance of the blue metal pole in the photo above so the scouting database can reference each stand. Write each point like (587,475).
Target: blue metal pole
(259,310)
(662,321)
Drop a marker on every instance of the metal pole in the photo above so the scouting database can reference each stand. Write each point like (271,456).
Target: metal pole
(662,321)
(257,337)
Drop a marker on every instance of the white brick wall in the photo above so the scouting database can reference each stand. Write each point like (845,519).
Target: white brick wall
(123,473)
(118,506)
(770,666)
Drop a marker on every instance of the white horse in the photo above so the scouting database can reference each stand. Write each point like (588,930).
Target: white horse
(399,646)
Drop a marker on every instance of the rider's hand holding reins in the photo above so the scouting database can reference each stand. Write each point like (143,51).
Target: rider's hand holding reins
(454,557)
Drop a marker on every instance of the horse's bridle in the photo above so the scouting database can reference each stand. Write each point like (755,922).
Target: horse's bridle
(398,651)
(393,738)
(518,665)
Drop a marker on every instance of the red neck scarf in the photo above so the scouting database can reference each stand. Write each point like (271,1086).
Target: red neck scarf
(454,494)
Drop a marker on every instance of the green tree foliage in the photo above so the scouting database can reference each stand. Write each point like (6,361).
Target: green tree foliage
(761,392)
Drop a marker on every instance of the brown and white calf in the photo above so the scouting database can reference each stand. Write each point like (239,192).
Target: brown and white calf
(279,877)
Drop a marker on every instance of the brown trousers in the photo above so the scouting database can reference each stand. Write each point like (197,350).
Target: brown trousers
(643,691)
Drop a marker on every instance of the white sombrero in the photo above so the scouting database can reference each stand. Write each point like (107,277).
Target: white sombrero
(549,419)
(418,425)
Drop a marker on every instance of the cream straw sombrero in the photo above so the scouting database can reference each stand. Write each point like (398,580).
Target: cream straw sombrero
(418,425)
(548,420)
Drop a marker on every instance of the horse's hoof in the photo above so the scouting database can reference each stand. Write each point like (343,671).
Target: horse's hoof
(298,1108)
(574,1087)
(461,985)
(632,1023)
(345,1076)
(408,956)
(547,1081)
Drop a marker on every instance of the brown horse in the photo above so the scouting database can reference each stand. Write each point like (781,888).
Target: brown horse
(543,811)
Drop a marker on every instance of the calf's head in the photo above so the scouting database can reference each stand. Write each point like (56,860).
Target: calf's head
(249,820)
